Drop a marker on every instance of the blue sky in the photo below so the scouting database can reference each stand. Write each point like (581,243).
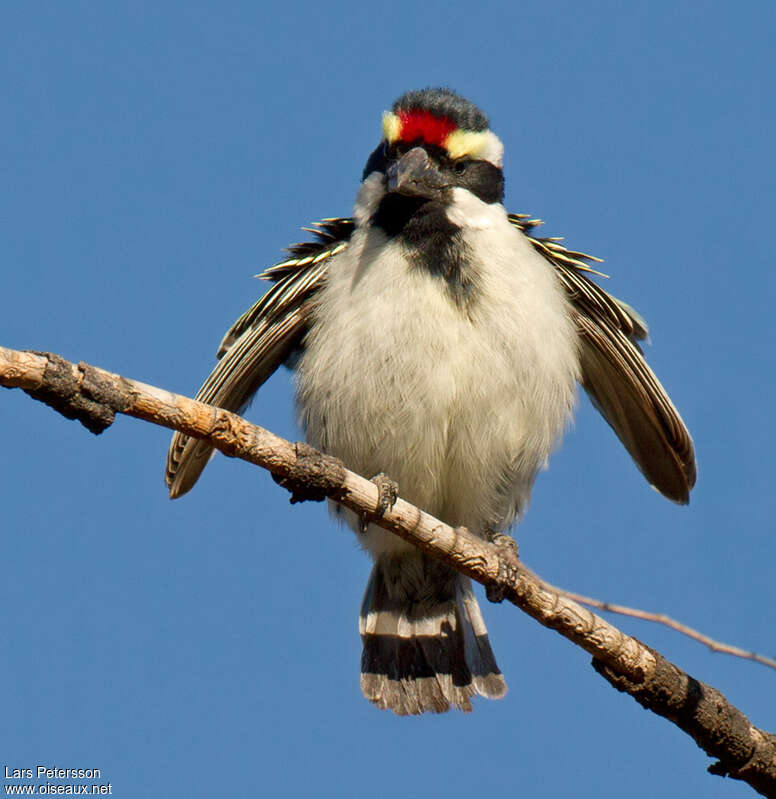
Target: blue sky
(154,158)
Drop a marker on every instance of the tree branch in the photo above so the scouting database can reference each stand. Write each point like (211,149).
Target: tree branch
(93,396)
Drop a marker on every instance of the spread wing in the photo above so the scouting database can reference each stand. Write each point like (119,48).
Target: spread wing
(617,378)
(259,342)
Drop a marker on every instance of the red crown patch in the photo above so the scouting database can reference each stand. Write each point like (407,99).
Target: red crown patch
(418,124)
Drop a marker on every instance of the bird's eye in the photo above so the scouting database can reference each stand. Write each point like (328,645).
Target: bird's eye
(459,167)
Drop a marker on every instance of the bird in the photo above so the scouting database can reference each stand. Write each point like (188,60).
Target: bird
(437,340)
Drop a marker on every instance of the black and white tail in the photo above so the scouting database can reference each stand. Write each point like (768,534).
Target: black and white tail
(426,648)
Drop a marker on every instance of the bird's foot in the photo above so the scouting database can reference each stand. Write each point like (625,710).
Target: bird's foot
(388,493)
(504,542)
(508,549)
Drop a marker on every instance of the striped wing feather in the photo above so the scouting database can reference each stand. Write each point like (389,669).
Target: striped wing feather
(257,344)
(614,373)
(618,380)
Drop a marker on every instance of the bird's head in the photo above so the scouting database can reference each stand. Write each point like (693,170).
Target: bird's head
(433,142)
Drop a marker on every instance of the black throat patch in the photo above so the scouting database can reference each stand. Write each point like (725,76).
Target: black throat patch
(431,240)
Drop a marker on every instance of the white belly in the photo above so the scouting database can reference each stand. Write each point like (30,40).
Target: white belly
(461,406)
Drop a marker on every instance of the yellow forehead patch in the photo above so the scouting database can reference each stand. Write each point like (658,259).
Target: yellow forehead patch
(465,142)
(391,127)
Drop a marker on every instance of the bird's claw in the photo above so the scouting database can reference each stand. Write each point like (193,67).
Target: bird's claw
(508,548)
(504,542)
(388,493)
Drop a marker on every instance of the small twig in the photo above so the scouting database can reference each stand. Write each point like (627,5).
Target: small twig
(667,621)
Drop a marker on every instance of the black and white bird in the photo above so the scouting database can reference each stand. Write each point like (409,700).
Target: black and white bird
(437,340)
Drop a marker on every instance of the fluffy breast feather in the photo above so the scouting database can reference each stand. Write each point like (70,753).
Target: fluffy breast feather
(461,406)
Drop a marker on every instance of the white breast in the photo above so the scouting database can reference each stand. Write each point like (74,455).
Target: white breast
(461,406)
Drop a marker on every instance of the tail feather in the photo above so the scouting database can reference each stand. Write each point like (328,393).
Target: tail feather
(487,683)
(426,647)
